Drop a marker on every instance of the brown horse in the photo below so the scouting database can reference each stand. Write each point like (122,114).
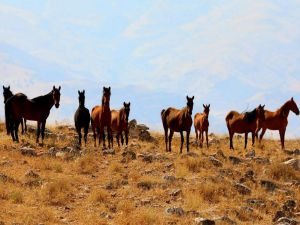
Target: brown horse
(278,120)
(7,93)
(178,121)
(119,123)
(201,124)
(37,109)
(244,123)
(101,117)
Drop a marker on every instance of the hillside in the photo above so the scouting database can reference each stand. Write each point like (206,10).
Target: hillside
(142,184)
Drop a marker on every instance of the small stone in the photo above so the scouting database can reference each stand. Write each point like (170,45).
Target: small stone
(278,215)
(235,160)
(148,158)
(28,151)
(175,211)
(242,189)
(204,221)
(289,205)
(145,202)
(261,160)
(52,151)
(250,154)
(215,161)
(294,163)
(169,165)
(268,185)
(110,151)
(175,193)
(128,155)
(144,185)
(61,154)
(31,174)
(169,178)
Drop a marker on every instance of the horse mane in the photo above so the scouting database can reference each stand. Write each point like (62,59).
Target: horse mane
(250,116)
(41,99)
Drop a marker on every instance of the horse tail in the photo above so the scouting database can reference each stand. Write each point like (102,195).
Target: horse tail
(7,115)
(229,116)
(162,112)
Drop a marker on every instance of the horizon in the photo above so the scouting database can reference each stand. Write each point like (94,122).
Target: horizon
(233,55)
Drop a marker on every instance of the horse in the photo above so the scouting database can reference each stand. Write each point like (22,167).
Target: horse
(119,123)
(36,109)
(244,123)
(178,121)
(101,117)
(201,124)
(82,118)
(278,120)
(6,95)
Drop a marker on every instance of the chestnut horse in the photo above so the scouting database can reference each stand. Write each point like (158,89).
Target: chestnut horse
(7,94)
(201,124)
(278,120)
(244,123)
(119,123)
(178,121)
(82,118)
(37,109)
(101,117)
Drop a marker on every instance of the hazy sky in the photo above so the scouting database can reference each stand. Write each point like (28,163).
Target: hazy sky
(233,54)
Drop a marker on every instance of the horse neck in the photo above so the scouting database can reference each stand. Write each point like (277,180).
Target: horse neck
(49,102)
(284,109)
(81,104)
(186,114)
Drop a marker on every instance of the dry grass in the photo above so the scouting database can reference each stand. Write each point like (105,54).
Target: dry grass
(97,189)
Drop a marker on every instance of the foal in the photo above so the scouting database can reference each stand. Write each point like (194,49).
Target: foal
(178,121)
(82,118)
(201,124)
(119,123)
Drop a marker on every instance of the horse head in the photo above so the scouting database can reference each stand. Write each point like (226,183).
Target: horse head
(127,110)
(293,106)
(7,93)
(81,97)
(206,109)
(106,96)
(190,104)
(56,96)
(260,112)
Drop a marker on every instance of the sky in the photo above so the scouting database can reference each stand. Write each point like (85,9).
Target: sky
(233,55)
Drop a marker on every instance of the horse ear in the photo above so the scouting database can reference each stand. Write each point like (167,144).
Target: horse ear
(187,97)
(263,106)
(203,106)
(3,87)
(59,88)
(128,103)
(78,92)
(292,98)
(109,88)
(193,98)
(83,91)
(53,87)
(124,103)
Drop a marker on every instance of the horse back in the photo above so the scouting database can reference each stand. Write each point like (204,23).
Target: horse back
(177,119)
(115,120)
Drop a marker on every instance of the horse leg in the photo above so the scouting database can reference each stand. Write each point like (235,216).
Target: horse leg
(22,126)
(231,139)
(206,134)
(201,138)
(188,140)
(118,139)
(25,125)
(86,130)
(197,135)
(253,138)
(182,140)
(79,135)
(166,138)
(16,130)
(262,134)
(282,134)
(43,130)
(109,136)
(170,139)
(246,139)
(126,137)
(38,131)
(122,138)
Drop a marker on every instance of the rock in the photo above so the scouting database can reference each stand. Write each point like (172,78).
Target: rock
(128,155)
(132,123)
(235,160)
(249,174)
(144,185)
(268,185)
(215,161)
(142,127)
(4,178)
(169,165)
(287,221)
(242,189)
(293,152)
(175,192)
(261,160)
(294,163)
(145,202)
(52,151)
(203,221)
(289,205)
(256,202)
(169,178)
(250,154)
(175,211)
(219,154)
(225,219)
(31,174)
(278,215)
(110,151)
(148,158)
(28,151)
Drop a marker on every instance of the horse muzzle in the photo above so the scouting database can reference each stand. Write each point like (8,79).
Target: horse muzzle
(57,105)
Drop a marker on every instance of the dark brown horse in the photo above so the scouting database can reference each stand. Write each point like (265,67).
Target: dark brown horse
(119,123)
(82,118)
(244,123)
(101,117)
(201,124)
(278,120)
(7,93)
(37,109)
(178,121)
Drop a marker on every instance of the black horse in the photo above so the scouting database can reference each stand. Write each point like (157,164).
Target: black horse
(7,93)
(82,118)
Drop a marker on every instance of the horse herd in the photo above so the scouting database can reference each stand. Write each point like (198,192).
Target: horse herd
(18,109)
